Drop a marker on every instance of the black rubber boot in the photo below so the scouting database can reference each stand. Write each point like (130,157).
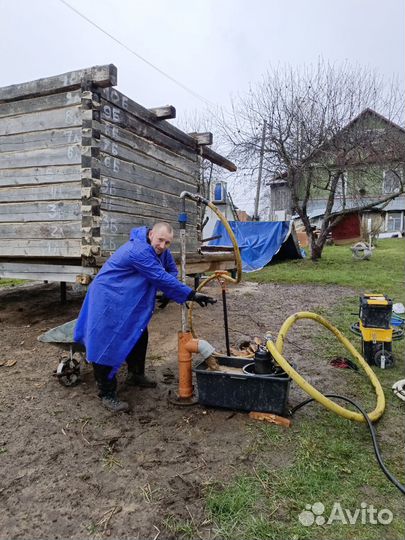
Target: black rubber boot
(108,389)
(136,364)
(137,377)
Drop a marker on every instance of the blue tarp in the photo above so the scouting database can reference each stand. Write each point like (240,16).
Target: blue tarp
(258,241)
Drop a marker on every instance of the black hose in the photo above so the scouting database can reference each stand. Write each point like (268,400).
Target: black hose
(390,476)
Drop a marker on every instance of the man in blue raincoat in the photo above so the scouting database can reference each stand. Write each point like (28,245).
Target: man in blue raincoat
(113,321)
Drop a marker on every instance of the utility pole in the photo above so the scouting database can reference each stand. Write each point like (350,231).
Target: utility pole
(259,178)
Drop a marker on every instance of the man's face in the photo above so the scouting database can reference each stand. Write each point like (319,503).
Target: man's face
(160,239)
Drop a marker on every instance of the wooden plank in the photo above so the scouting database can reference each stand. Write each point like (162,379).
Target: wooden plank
(271,418)
(47,272)
(54,192)
(40,248)
(101,75)
(123,103)
(150,148)
(39,121)
(39,211)
(126,104)
(123,152)
(192,267)
(138,209)
(54,101)
(112,221)
(126,120)
(123,170)
(202,139)
(112,243)
(134,208)
(60,155)
(57,276)
(40,175)
(40,139)
(206,257)
(167,112)
(43,229)
(113,188)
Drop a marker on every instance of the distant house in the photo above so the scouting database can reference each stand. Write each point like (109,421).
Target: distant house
(220,196)
(368,178)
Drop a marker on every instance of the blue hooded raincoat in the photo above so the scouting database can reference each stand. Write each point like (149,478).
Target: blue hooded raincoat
(120,301)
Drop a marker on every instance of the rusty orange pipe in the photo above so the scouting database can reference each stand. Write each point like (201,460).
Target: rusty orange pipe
(187,346)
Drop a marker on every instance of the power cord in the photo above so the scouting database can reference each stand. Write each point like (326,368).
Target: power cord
(387,473)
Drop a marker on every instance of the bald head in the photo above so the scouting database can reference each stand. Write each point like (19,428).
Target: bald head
(163,225)
(160,237)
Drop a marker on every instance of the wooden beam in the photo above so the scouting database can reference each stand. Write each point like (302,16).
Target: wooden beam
(58,156)
(123,103)
(271,418)
(40,248)
(119,151)
(39,175)
(41,120)
(217,159)
(101,75)
(203,267)
(203,139)
(44,103)
(166,112)
(116,134)
(206,258)
(34,140)
(46,272)
(193,267)
(120,101)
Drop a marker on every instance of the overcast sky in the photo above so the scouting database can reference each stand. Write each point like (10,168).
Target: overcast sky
(214,47)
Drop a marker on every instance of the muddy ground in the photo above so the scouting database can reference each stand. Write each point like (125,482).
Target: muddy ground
(70,469)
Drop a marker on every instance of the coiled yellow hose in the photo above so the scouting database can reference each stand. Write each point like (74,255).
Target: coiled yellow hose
(276,350)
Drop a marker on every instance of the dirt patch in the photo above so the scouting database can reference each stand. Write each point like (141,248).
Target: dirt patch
(71,469)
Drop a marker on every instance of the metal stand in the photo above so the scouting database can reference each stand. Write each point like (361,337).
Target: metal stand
(228,349)
(63,292)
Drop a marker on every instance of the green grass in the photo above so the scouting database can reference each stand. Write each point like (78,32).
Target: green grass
(384,272)
(333,463)
(6,282)
(330,459)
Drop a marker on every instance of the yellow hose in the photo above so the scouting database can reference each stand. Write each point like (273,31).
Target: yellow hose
(276,350)
(221,274)
(238,259)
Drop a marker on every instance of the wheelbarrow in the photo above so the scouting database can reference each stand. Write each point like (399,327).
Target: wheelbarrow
(68,370)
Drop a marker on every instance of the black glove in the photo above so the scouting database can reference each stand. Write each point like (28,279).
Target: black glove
(163,301)
(201,299)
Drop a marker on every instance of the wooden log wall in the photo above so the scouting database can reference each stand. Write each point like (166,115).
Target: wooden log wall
(48,182)
(40,175)
(81,165)
(145,164)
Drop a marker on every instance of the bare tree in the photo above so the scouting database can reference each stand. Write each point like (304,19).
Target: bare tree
(313,138)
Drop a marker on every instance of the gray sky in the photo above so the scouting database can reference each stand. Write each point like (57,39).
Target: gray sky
(215,47)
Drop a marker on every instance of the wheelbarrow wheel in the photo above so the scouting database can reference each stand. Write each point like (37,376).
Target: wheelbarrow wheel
(68,372)
(384,359)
